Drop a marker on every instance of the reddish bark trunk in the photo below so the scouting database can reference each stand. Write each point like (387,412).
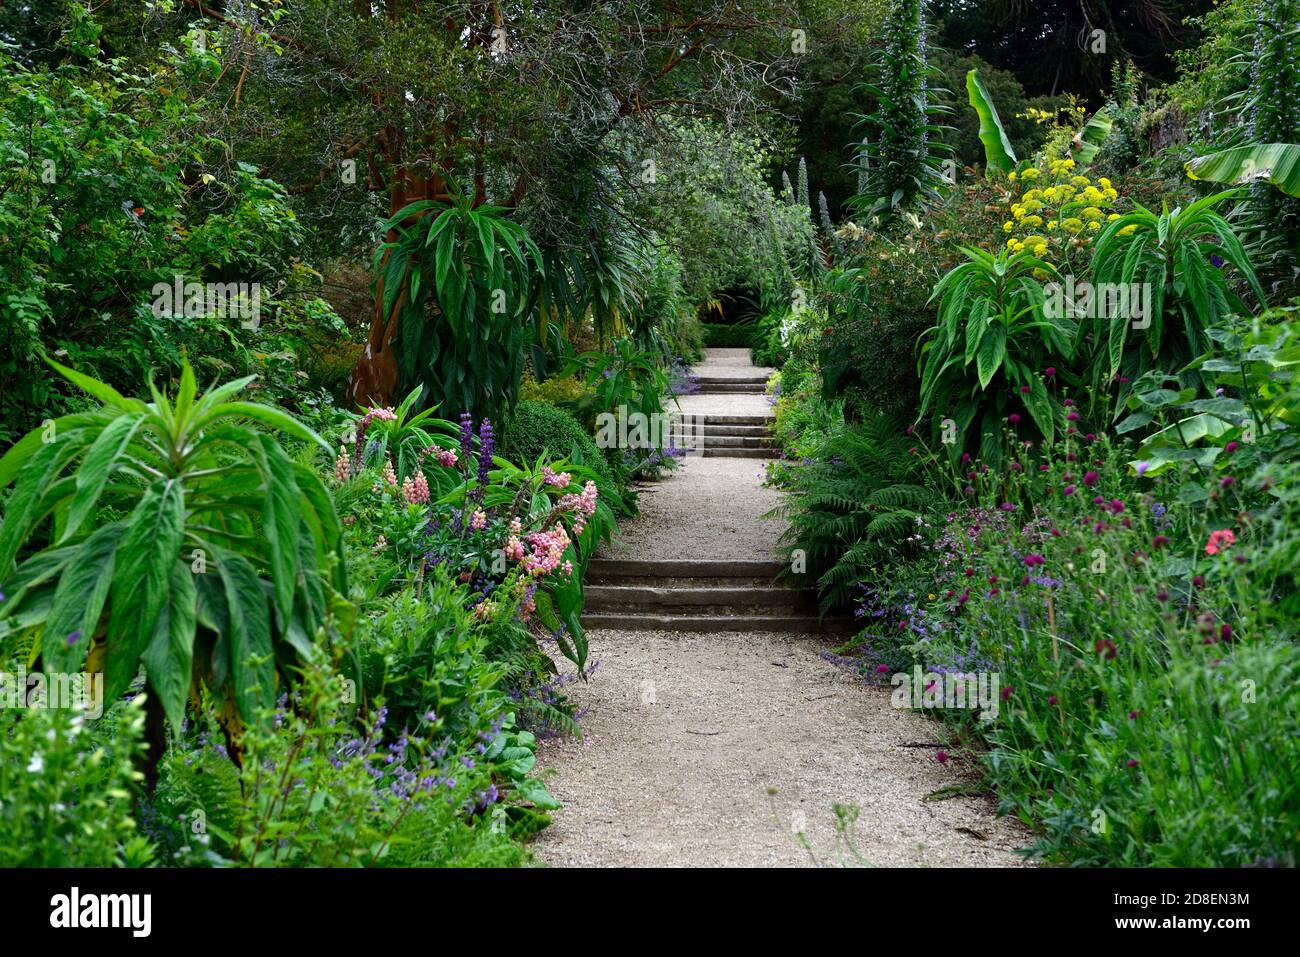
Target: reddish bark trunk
(375,377)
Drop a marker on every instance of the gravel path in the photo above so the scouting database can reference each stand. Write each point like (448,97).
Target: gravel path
(715,749)
(730,364)
(708,508)
(712,750)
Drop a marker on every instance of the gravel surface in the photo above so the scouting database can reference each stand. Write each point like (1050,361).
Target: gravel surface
(707,508)
(730,364)
(686,735)
(723,403)
(719,749)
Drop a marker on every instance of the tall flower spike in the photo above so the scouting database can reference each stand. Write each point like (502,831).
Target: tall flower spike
(484,455)
(466,437)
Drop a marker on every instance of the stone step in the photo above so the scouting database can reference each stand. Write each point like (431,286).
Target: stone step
(765,420)
(731,378)
(711,430)
(602,570)
(732,388)
(678,582)
(722,453)
(735,442)
(611,599)
(797,624)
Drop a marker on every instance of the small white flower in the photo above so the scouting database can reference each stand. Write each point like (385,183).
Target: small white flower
(36,765)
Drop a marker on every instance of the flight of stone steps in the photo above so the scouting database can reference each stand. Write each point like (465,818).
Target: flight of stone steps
(701,596)
(708,595)
(736,437)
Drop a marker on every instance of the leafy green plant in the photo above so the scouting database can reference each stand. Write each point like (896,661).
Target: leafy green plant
(900,167)
(1088,141)
(998,152)
(1277,163)
(627,377)
(423,655)
(855,505)
(986,355)
(67,784)
(462,279)
(1176,255)
(218,562)
(400,434)
(1253,414)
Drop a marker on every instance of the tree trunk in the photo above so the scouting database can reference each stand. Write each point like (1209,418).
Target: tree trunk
(375,378)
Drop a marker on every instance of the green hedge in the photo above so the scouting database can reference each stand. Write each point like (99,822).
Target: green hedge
(729,337)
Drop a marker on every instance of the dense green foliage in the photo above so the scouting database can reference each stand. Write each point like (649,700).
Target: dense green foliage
(540,430)
(1093,504)
(194,484)
(335,335)
(474,269)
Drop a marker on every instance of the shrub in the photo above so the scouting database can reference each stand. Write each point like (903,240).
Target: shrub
(538,430)
(769,347)
(738,336)
(219,570)
(859,499)
(566,392)
(66,784)
(878,310)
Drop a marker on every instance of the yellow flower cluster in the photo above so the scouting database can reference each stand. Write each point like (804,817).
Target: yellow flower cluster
(1057,208)
(1049,116)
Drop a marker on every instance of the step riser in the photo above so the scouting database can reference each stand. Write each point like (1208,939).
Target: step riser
(754,431)
(744,388)
(673,582)
(710,453)
(732,380)
(707,624)
(628,598)
(734,442)
(624,568)
(764,420)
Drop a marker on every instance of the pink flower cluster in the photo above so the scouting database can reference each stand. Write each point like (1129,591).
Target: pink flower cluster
(342,466)
(446,457)
(550,477)
(478,521)
(363,424)
(548,551)
(415,489)
(584,505)
(1220,540)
